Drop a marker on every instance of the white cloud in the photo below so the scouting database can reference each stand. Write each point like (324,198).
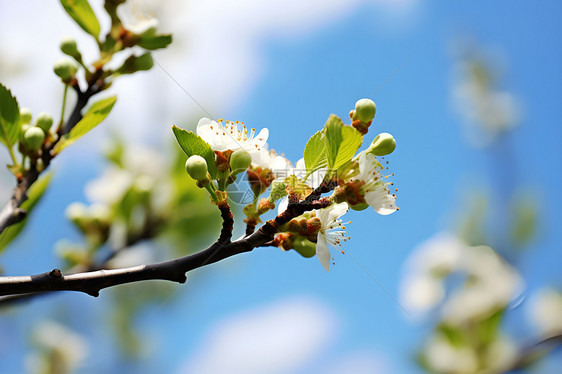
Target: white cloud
(216,55)
(277,338)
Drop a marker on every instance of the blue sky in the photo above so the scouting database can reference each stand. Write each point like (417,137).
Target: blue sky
(301,81)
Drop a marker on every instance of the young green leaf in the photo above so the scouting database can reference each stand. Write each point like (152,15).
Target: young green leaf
(334,138)
(351,141)
(35,193)
(151,41)
(136,63)
(315,152)
(192,144)
(9,117)
(93,117)
(83,14)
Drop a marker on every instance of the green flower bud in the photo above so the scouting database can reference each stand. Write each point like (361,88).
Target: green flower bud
(365,110)
(25,115)
(196,167)
(305,247)
(359,207)
(277,190)
(68,47)
(65,68)
(44,121)
(33,138)
(384,144)
(240,160)
(24,128)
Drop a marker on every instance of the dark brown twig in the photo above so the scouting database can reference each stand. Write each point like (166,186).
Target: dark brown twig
(173,270)
(12,213)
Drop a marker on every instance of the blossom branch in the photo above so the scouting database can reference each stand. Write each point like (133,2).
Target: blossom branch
(174,270)
(12,213)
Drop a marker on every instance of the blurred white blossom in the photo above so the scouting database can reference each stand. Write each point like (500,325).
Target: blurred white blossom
(546,312)
(444,357)
(490,283)
(59,348)
(487,111)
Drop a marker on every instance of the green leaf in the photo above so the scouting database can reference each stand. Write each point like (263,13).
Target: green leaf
(315,153)
(333,131)
(151,41)
(136,63)
(35,193)
(83,14)
(9,117)
(352,140)
(192,144)
(93,117)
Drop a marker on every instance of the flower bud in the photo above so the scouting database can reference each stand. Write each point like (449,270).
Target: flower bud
(44,121)
(33,138)
(65,68)
(196,167)
(24,128)
(68,47)
(277,190)
(384,144)
(305,247)
(240,160)
(25,115)
(359,206)
(313,225)
(365,110)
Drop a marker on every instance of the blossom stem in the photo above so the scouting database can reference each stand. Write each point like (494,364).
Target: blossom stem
(63,105)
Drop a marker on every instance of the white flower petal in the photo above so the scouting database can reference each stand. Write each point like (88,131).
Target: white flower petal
(381,201)
(322,251)
(283,205)
(337,211)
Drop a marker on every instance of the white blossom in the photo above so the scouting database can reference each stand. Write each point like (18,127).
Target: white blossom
(546,312)
(269,159)
(313,181)
(331,233)
(231,136)
(136,19)
(377,194)
(59,343)
(493,284)
(445,358)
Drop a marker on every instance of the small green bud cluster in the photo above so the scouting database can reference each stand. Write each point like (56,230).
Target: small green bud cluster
(362,116)
(33,138)
(66,69)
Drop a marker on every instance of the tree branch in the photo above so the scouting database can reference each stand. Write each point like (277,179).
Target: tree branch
(12,213)
(173,270)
